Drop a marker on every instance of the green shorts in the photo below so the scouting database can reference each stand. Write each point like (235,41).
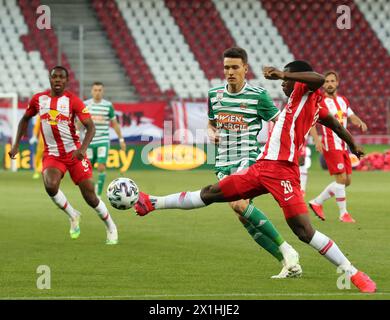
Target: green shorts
(98,153)
(223,172)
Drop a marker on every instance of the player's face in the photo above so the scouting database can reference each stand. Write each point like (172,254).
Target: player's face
(97,92)
(331,84)
(287,85)
(58,81)
(235,70)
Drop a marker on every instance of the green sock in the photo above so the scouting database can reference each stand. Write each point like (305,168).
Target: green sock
(101,178)
(262,224)
(264,241)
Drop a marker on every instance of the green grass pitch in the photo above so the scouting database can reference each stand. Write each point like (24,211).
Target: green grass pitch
(172,254)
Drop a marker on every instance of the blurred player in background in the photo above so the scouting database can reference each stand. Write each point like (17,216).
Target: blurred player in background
(236,111)
(37,141)
(57,109)
(276,171)
(102,113)
(335,150)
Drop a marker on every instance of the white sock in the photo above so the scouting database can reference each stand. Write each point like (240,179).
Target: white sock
(182,200)
(303,176)
(340,197)
(328,192)
(60,200)
(331,251)
(103,213)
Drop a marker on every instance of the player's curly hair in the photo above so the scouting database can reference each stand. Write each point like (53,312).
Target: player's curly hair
(61,68)
(298,66)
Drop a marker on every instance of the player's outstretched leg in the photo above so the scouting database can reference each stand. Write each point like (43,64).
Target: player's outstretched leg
(266,235)
(51,179)
(88,191)
(301,226)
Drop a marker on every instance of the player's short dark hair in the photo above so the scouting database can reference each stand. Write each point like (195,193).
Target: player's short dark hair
(236,52)
(327,73)
(298,66)
(61,68)
(98,83)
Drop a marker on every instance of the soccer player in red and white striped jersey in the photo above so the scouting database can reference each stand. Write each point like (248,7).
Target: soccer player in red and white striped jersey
(63,152)
(276,171)
(335,149)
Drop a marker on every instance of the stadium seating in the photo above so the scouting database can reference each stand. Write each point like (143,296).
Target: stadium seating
(253,30)
(22,72)
(355,53)
(127,49)
(40,42)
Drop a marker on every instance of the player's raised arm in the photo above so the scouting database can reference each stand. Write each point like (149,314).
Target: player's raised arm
(313,79)
(332,123)
(22,130)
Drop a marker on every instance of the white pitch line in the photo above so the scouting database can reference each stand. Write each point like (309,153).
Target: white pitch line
(200,295)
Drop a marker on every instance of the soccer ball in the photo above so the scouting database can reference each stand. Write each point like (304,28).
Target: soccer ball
(122,193)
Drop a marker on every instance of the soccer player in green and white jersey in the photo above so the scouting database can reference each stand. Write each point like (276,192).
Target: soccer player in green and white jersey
(236,111)
(103,113)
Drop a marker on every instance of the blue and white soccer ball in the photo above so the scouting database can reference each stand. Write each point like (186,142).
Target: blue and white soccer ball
(122,193)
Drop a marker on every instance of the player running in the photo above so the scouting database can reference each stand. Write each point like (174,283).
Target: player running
(276,171)
(57,109)
(102,113)
(335,150)
(236,111)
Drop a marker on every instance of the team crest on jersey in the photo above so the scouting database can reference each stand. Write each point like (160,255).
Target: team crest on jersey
(243,106)
(85,110)
(219,95)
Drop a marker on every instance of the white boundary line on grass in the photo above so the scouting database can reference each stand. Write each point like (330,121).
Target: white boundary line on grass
(198,295)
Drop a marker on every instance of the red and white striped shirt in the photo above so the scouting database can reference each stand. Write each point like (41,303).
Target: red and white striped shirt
(339,108)
(57,116)
(290,131)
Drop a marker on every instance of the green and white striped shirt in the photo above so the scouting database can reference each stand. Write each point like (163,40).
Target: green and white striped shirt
(238,118)
(102,113)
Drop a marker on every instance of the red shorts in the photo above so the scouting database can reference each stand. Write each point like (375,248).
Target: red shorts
(280,178)
(79,170)
(338,161)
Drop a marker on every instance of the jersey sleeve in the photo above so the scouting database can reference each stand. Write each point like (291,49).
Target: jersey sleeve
(111,112)
(349,109)
(32,107)
(210,109)
(323,113)
(80,110)
(266,108)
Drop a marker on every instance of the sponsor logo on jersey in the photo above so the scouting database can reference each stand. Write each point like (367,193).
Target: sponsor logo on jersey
(177,157)
(229,121)
(54,117)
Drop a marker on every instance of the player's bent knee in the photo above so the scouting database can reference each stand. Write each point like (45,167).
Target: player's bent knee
(211,194)
(239,206)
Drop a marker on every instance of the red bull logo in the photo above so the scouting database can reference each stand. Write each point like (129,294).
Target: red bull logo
(53,117)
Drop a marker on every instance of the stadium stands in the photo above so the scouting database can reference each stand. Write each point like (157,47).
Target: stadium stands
(22,71)
(172,49)
(44,41)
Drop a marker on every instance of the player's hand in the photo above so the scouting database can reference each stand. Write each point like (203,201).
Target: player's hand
(122,144)
(319,146)
(272,73)
(33,140)
(14,151)
(363,126)
(358,151)
(78,154)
